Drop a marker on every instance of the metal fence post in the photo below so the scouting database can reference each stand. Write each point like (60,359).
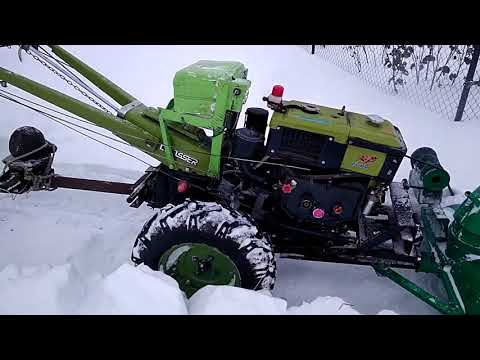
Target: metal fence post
(313,49)
(468,83)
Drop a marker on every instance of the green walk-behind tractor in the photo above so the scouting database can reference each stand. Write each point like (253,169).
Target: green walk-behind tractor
(229,199)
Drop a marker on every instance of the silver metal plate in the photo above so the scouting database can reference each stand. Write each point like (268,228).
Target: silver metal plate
(126,108)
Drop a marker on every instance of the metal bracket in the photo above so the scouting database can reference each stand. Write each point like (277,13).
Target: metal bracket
(126,108)
(167,144)
(452,307)
(135,199)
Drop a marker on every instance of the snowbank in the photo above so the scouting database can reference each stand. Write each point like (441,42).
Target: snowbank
(228,300)
(127,290)
(324,306)
(387,312)
(138,290)
(32,290)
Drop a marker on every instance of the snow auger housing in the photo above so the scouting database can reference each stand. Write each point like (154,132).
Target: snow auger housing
(316,183)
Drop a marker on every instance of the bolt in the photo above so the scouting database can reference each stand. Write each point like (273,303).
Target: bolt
(237,92)
(272,151)
(323,162)
(330,139)
(306,203)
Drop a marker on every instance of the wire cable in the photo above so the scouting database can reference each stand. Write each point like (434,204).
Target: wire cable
(60,121)
(49,108)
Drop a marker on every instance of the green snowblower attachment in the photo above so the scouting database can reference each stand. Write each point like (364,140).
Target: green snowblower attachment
(464,250)
(449,250)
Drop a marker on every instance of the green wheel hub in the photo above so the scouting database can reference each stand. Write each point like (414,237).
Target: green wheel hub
(194,266)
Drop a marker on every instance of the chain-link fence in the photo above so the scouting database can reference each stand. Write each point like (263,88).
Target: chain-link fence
(443,78)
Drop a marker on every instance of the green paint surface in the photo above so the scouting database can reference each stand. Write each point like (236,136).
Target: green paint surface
(342,126)
(463,248)
(381,134)
(205,88)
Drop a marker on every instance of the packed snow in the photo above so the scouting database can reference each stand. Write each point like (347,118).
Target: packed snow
(67,252)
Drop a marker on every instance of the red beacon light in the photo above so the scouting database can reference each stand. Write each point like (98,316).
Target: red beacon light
(277,90)
(276,95)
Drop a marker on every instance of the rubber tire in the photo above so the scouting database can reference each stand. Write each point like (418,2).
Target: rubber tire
(227,230)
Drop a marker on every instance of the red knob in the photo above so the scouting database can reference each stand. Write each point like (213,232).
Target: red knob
(287,188)
(182,186)
(337,209)
(277,90)
(318,213)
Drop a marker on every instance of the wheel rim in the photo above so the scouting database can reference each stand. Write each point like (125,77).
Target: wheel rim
(194,266)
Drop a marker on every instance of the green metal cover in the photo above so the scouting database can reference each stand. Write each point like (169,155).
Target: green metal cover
(204,94)
(380,134)
(465,229)
(197,87)
(342,126)
(463,248)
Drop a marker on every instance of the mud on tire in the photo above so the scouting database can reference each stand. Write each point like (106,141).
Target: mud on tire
(227,230)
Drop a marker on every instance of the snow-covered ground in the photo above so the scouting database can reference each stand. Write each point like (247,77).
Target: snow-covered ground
(68,251)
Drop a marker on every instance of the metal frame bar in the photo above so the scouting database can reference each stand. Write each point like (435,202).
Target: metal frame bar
(91,185)
(73,77)
(167,143)
(108,87)
(468,83)
(450,308)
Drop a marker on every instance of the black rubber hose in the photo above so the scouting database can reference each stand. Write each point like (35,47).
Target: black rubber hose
(244,166)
